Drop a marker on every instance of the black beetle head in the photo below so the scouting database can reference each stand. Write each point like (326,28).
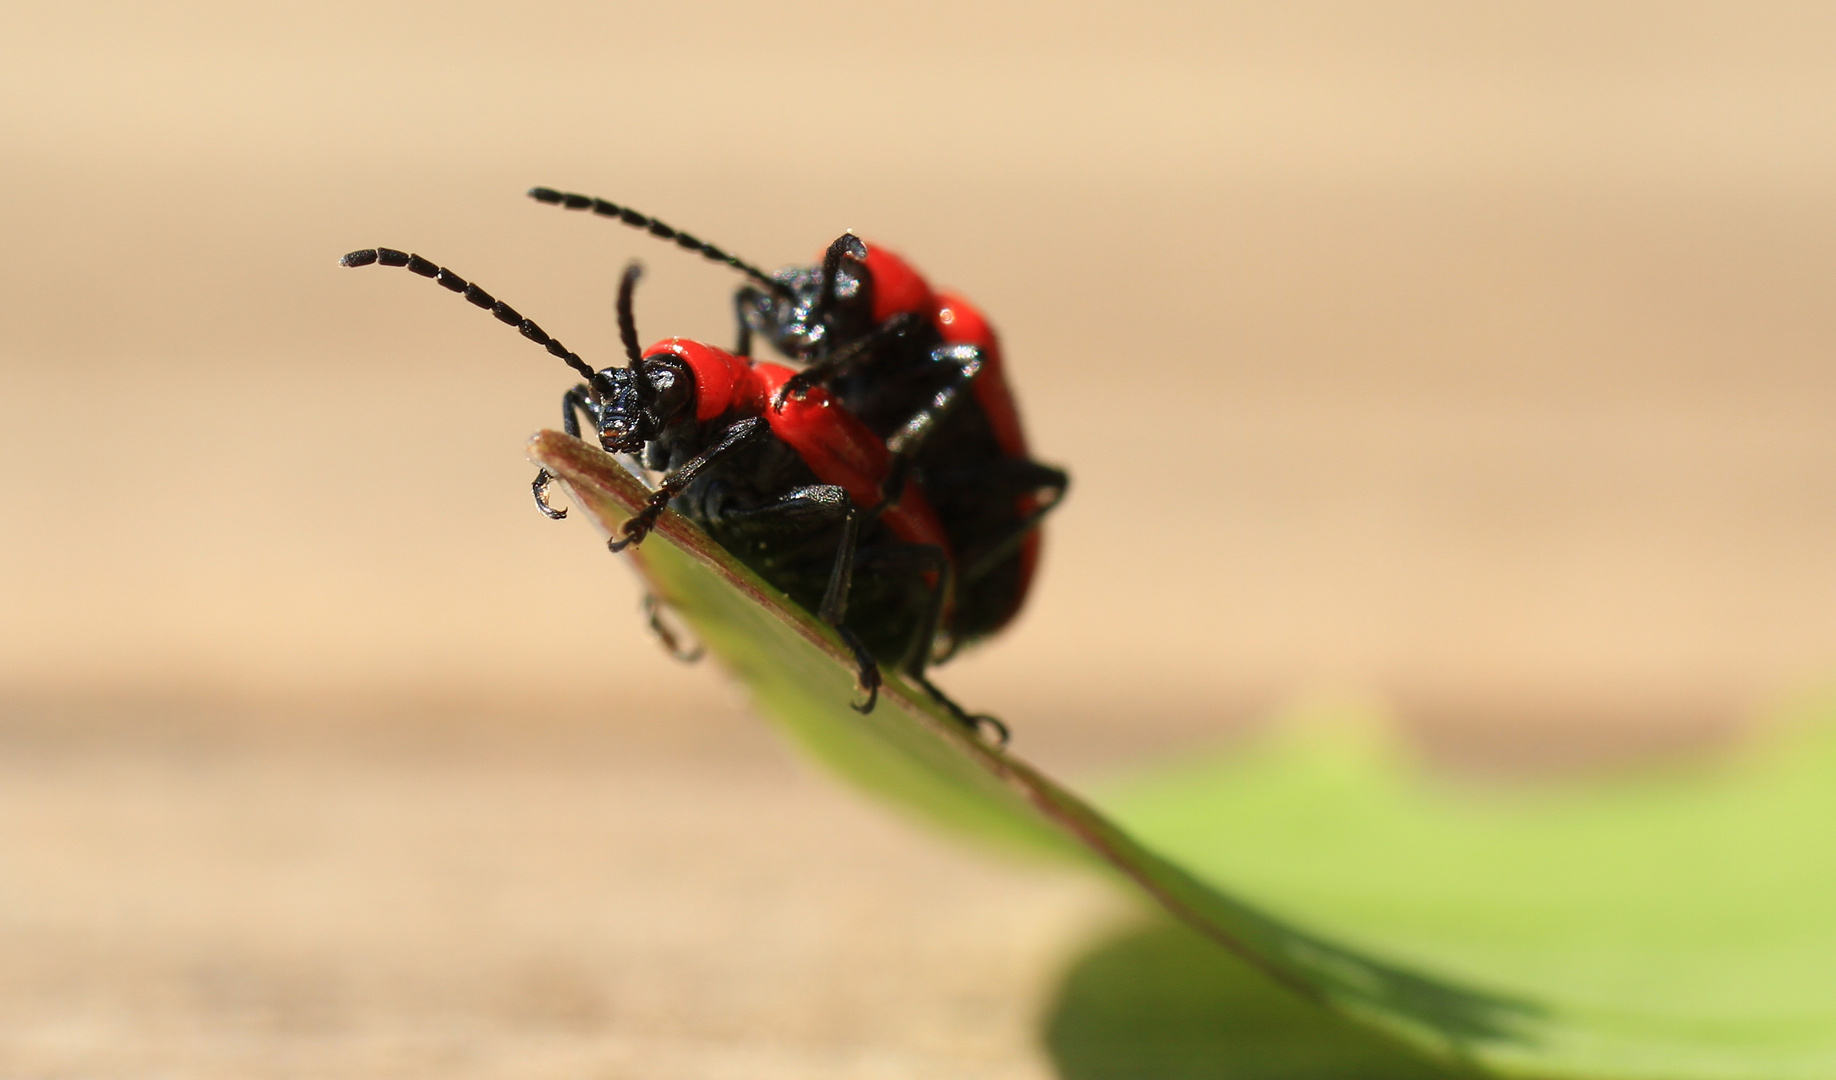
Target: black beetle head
(636,403)
(803,319)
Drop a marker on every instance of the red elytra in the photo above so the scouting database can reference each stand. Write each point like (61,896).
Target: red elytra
(837,446)
(899,289)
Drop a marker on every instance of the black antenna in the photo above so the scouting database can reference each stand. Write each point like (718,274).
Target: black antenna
(570,201)
(627,323)
(504,312)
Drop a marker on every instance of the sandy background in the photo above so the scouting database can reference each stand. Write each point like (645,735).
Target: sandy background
(1475,362)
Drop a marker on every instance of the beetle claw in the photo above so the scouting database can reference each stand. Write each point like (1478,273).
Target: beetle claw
(540,490)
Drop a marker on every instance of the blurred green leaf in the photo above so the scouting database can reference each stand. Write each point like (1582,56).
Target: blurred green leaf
(1677,929)
(1676,924)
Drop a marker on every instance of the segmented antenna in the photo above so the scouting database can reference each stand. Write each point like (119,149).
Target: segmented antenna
(504,312)
(627,322)
(570,201)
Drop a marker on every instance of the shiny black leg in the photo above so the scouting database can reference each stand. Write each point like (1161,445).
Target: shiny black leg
(573,403)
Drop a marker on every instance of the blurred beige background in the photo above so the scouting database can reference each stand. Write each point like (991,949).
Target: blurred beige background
(1472,360)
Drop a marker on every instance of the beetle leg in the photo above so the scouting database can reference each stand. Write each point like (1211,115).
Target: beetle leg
(847,358)
(968,361)
(638,527)
(1020,476)
(810,512)
(573,403)
(917,559)
(975,722)
(849,246)
(909,439)
(746,299)
(834,607)
(539,488)
(928,558)
(672,644)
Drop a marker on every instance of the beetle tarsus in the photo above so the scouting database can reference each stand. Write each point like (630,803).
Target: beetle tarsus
(975,722)
(867,672)
(1001,734)
(540,490)
(671,642)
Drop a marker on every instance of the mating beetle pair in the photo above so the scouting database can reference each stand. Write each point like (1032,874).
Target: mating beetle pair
(895,450)
(923,369)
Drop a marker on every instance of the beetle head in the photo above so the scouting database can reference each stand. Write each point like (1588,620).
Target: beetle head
(636,403)
(820,304)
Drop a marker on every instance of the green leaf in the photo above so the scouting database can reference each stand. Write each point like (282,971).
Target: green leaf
(911,752)
(1675,925)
